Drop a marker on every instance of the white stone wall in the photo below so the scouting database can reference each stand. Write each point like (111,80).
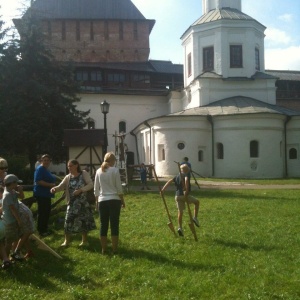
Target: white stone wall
(129,108)
(293,141)
(236,133)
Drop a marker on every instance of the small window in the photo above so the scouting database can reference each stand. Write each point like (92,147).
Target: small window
(236,56)
(208,59)
(293,153)
(122,126)
(91,123)
(189,64)
(254,149)
(116,77)
(82,76)
(141,78)
(161,152)
(257,61)
(180,146)
(220,151)
(200,155)
(96,76)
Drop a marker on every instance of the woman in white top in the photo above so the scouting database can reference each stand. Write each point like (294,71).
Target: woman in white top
(108,190)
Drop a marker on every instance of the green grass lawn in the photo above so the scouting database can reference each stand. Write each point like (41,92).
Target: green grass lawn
(248,248)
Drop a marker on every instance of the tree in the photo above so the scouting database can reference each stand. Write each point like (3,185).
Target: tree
(38,97)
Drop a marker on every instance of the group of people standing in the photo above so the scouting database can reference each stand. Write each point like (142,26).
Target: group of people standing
(17,223)
(79,216)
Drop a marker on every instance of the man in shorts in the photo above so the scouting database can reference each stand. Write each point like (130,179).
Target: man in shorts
(182,195)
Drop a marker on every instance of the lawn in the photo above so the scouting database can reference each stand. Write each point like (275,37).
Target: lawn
(248,248)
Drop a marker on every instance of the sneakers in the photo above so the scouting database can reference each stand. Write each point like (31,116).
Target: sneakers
(180,231)
(44,234)
(195,220)
(6,264)
(16,256)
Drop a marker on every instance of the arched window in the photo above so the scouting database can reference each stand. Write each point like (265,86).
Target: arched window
(293,153)
(200,155)
(254,149)
(122,126)
(220,151)
(91,123)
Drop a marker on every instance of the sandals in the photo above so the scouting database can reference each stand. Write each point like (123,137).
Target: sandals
(6,264)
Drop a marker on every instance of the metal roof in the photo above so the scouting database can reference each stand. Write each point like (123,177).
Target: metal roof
(236,106)
(86,9)
(154,66)
(225,13)
(285,75)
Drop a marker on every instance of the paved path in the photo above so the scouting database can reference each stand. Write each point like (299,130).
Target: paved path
(249,186)
(226,186)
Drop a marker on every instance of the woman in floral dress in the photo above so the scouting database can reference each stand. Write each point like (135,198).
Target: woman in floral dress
(79,216)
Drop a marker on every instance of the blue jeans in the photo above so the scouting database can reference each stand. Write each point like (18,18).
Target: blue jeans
(109,212)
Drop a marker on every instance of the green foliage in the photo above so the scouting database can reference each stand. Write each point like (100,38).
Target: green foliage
(18,165)
(248,248)
(38,97)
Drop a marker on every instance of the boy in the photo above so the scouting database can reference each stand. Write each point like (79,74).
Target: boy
(11,217)
(6,262)
(182,192)
(143,174)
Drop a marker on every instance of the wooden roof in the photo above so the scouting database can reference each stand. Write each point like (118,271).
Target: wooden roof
(83,137)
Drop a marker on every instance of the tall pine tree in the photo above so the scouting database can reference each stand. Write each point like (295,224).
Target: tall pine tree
(38,97)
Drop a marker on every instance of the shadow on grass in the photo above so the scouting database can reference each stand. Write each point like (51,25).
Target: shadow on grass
(232,244)
(161,259)
(43,271)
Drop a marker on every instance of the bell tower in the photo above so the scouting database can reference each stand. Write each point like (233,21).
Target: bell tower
(208,5)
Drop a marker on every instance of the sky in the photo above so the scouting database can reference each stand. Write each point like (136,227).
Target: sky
(173,17)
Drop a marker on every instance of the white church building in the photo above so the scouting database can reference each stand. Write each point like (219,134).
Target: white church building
(224,118)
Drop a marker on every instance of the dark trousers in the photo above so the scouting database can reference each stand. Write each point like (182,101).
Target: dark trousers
(44,210)
(109,212)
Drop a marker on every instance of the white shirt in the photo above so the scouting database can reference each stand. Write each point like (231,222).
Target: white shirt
(108,184)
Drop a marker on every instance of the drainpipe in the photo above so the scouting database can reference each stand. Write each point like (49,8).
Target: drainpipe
(210,120)
(288,118)
(150,154)
(136,147)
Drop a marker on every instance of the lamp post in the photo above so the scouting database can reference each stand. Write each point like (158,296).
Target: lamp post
(105,110)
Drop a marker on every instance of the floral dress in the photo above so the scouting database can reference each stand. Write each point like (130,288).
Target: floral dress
(79,216)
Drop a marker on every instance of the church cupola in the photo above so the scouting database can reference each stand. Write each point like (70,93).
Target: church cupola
(224,42)
(208,5)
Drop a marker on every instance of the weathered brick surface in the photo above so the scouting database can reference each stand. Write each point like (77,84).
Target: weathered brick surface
(99,41)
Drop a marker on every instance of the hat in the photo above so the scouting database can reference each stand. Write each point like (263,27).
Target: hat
(11,178)
(3,163)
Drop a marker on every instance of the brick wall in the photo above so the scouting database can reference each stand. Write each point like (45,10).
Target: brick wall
(99,40)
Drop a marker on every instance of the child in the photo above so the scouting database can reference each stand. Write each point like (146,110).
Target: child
(182,191)
(6,262)
(143,174)
(11,216)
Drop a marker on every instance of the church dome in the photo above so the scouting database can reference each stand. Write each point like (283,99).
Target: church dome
(222,14)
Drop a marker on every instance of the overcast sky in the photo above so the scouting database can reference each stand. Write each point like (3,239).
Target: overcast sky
(173,17)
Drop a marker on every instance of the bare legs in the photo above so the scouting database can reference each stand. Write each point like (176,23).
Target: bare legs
(114,242)
(67,240)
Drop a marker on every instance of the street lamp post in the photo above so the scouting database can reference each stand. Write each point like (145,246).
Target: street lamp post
(105,110)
